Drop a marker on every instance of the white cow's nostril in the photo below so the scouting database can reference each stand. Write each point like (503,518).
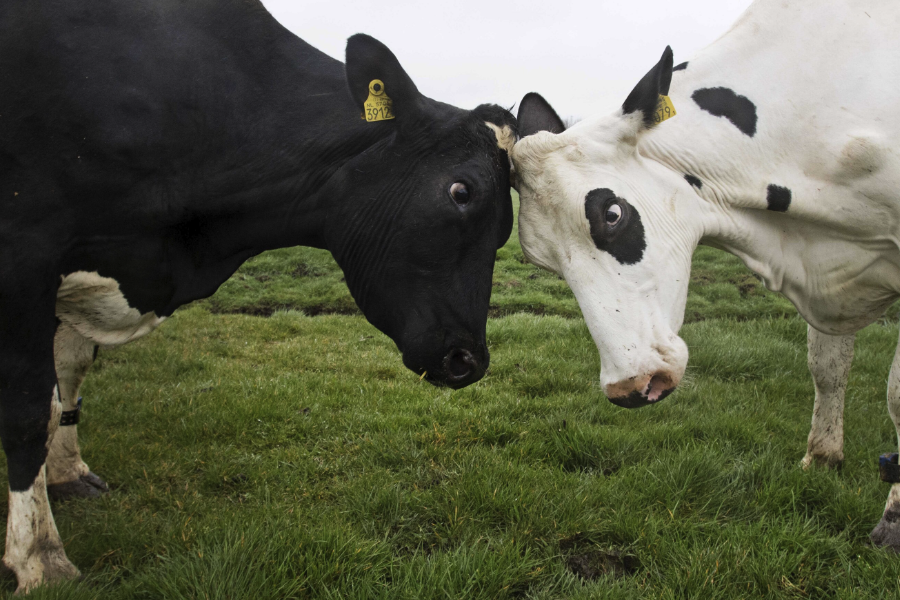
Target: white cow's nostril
(641,391)
(660,385)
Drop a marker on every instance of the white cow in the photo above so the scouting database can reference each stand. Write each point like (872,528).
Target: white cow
(783,152)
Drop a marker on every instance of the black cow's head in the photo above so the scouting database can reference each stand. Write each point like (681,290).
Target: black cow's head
(425,209)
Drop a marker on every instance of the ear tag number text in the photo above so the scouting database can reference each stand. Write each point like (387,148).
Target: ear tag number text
(664,109)
(378,106)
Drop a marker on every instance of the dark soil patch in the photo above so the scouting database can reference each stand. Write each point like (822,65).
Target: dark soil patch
(747,284)
(598,563)
(253,310)
(580,463)
(267,310)
(304,270)
(746,288)
(495,311)
(512,283)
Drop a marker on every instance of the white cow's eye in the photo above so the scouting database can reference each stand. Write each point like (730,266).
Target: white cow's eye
(460,193)
(613,214)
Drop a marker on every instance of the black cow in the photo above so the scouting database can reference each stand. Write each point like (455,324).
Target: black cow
(148,148)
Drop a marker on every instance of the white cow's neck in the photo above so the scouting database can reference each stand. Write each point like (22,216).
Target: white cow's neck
(834,252)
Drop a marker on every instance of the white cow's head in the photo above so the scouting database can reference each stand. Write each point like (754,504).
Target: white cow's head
(618,228)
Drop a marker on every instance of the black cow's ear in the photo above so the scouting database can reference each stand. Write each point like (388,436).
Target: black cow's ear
(368,60)
(645,95)
(536,114)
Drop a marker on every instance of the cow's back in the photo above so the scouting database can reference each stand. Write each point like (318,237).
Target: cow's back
(820,77)
(123,121)
(116,90)
(789,119)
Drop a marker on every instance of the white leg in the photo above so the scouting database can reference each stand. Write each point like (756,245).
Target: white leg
(829,358)
(34,550)
(887,532)
(68,475)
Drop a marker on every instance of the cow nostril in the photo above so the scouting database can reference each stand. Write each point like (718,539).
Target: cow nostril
(660,386)
(459,363)
(628,395)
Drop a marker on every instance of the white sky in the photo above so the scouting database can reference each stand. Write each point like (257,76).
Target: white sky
(584,57)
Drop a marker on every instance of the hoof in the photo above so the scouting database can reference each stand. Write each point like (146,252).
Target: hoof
(49,568)
(86,486)
(887,533)
(829,461)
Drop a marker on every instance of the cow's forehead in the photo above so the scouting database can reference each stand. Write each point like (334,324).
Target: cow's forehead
(471,132)
(561,168)
(560,174)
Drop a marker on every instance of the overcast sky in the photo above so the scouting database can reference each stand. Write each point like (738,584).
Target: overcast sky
(584,57)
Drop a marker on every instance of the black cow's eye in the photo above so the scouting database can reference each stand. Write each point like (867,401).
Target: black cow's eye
(613,214)
(460,193)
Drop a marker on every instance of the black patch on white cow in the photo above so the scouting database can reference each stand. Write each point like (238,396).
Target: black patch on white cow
(680,67)
(694,181)
(778,198)
(723,102)
(625,240)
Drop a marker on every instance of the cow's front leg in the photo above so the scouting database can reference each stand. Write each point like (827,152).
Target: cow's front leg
(887,532)
(829,358)
(29,416)
(67,475)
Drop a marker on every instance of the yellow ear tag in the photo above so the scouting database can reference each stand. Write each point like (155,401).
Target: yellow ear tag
(664,109)
(378,106)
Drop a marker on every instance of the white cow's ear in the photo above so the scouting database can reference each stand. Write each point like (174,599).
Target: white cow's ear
(645,95)
(536,114)
(371,64)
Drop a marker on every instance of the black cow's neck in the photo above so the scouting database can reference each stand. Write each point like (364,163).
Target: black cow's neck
(273,185)
(237,154)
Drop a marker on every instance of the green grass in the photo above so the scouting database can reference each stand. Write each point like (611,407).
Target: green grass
(294,456)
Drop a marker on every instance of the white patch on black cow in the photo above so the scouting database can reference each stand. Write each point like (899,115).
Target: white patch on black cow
(95,307)
(506,137)
(34,550)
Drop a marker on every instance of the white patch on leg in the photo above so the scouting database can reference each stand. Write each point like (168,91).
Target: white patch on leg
(92,310)
(34,550)
(829,361)
(893,500)
(73,355)
(95,307)
(64,462)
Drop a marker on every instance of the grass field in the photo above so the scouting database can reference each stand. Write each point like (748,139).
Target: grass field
(292,456)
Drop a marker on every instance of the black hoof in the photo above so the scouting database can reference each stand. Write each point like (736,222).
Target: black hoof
(86,486)
(887,533)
